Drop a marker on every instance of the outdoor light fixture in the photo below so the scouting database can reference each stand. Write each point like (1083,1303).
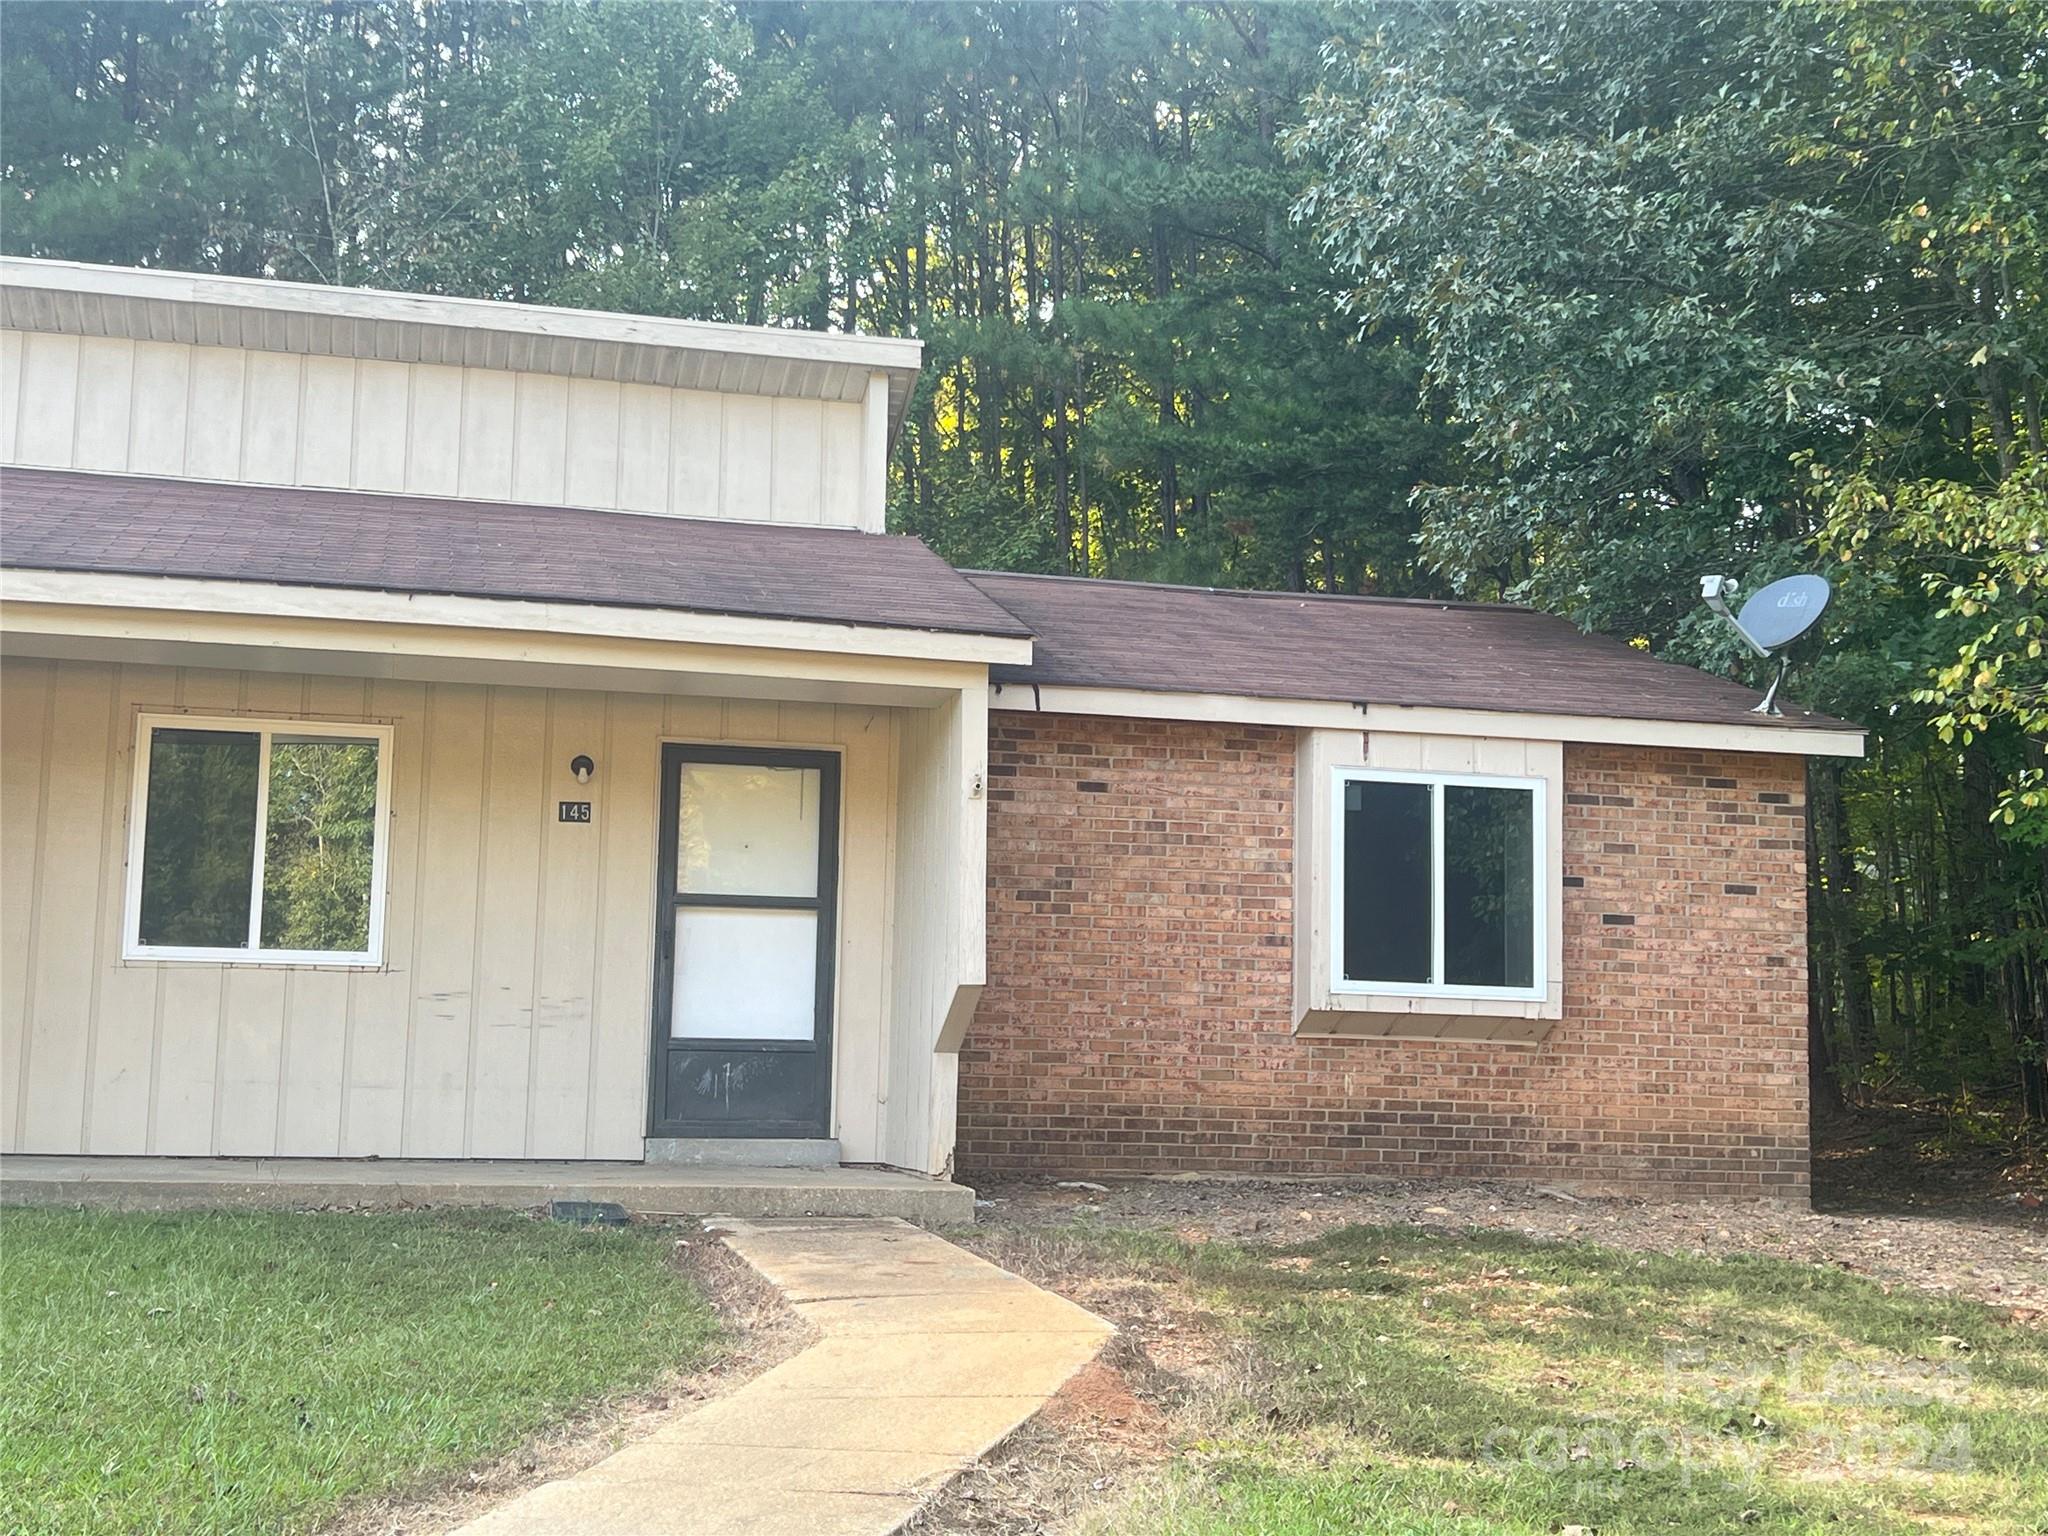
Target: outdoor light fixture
(582,767)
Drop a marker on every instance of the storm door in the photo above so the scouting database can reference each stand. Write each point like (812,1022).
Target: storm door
(744,920)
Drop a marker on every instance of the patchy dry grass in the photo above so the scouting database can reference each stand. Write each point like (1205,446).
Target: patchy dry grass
(1401,1380)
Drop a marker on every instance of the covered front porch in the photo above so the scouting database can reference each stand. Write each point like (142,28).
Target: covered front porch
(519,1022)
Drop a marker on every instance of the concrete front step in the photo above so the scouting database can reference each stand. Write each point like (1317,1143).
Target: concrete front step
(749,1152)
(174,1183)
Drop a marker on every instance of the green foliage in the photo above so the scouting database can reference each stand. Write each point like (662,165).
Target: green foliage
(321,842)
(246,1372)
(1705,287)
(1131,365)
(1986,555)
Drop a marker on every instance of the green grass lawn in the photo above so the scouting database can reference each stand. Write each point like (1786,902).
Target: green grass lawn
(1407,1382)
(230,1372)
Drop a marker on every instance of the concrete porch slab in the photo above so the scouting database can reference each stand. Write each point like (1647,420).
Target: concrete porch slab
(644,1189)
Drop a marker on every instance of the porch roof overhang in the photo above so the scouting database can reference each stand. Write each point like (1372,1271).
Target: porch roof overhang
(266,627)
(420,547)
(188,573)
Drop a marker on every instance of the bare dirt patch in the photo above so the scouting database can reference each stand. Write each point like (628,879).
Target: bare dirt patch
(1997,1254)
(762,1331)
(1170,1374)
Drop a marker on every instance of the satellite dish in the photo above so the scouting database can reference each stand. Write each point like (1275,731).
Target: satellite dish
(1784,610)
(1771,620)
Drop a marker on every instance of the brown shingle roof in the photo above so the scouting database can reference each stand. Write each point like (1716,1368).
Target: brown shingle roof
(61,521)
(1287,645)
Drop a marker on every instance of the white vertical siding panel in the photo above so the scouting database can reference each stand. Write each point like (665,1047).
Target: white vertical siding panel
(25,688)
(124,1036)
(540,439)
(162,403)
(865,738)
(839,473)
(753,720)
(625,797)
(327,417)
(697,443)
(213,428)
(49,400)
(188,1049)
(1491,755)
(565,951)
(747,466)
(489,424)
(693,719)
(383,418)
(270,418)
(73,851)
(1394,749)
(106,395)
(508,897)
(874,473)
(435,431)
(1448,754)
(316,1029)
(381,1011)
(251,1059)
(11,349)
(798,452)
(591,475)
(445,921)
(644,448)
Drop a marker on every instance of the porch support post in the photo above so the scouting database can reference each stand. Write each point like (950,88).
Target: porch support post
(939,949)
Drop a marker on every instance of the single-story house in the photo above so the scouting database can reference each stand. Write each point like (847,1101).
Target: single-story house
(442,729)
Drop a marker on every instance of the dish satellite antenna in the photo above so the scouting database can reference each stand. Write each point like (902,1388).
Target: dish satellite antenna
(1770,620)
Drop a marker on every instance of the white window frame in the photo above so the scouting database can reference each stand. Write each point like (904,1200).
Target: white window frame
(264,729)
(1544,877)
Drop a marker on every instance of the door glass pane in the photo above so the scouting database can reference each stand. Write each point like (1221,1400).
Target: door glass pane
(199,838)
(1387,889)
(745,974)
(1489,886)
(746,830)
(321,833)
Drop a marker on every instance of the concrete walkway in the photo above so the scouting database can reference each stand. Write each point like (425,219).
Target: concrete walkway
(926,1357)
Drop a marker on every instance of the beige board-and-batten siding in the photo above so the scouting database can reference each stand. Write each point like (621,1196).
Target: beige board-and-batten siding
(225,413)
(511,1016)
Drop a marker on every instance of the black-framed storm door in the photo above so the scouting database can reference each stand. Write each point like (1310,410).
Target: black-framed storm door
(746,905)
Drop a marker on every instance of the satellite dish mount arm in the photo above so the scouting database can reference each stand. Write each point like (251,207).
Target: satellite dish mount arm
(1768,704)
(1714,592)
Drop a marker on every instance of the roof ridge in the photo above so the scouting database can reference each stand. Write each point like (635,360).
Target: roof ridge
(973,573)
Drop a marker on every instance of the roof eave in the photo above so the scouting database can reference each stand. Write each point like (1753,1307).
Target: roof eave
(1760,734)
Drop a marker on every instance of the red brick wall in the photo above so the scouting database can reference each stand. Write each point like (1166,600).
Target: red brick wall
(1138,1013)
